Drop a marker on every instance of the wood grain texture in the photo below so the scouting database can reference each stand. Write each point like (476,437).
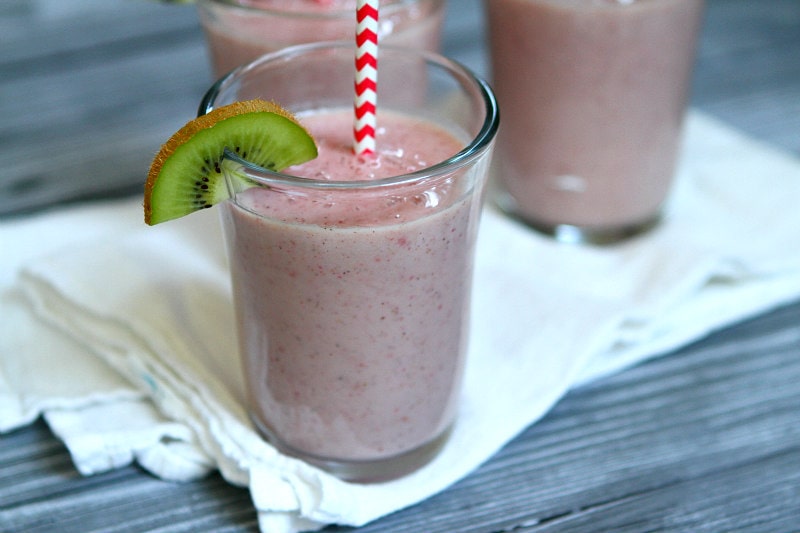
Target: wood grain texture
(89,91)
(705,439)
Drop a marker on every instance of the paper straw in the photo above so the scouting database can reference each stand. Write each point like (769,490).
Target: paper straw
(366,82)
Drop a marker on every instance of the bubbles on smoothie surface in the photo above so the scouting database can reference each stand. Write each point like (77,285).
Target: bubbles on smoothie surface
(398,150)
(404,145)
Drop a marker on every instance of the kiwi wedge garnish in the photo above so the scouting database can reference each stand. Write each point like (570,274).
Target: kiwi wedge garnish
(187,173)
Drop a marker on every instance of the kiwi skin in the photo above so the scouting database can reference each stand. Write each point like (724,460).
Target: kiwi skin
(186,174)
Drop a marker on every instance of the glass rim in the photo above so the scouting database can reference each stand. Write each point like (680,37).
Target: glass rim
(333,14)
(473,150)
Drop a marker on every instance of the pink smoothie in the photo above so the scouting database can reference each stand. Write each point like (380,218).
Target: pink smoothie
(353,307)
(237,36)
(593,93)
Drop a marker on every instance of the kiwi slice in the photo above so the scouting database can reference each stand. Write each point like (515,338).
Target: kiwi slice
(187,173)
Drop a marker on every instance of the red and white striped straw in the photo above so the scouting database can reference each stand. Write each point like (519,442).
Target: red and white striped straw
(366,82)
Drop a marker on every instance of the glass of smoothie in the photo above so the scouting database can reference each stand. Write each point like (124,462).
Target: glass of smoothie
(238,31)
(596,91)
(351,275)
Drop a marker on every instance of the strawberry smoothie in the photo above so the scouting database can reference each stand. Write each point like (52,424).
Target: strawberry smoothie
(597,91)
(238,31)
(353,305)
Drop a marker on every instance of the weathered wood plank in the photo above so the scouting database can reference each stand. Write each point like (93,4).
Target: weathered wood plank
(40,491)
(747,68)
(86,31)
(102,130)
(97,86)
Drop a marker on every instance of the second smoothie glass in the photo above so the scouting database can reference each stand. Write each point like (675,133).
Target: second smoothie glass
(238,31)
(597,92)
(352,297)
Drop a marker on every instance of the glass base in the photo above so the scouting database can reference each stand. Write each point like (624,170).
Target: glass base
(365,471)
(574,234)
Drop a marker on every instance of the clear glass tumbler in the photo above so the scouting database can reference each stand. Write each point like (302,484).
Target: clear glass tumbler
(353,297)
(238,31)
(594,94)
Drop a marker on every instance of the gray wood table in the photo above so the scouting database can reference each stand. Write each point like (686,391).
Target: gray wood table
(704,439)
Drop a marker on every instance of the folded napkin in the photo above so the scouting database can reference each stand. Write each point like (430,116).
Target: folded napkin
(122,336)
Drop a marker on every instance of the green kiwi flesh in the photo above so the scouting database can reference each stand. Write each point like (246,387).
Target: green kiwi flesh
(191,176)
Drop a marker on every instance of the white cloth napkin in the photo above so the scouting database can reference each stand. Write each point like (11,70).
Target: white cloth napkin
(122,336)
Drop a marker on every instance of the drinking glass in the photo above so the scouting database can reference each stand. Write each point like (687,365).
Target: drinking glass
(595,93)
(238,31)
(353,297)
